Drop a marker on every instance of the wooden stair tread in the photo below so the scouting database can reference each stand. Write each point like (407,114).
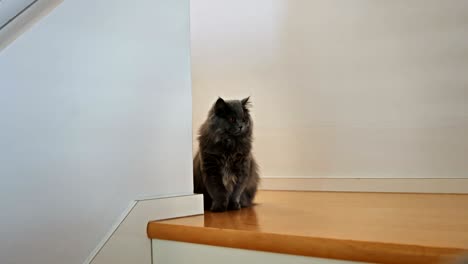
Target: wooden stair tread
(368,227)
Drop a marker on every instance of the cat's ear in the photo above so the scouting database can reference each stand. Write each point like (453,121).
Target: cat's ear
(220,106)
(246,102)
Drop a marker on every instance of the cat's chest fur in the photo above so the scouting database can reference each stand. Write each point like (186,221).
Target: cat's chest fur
(230,170)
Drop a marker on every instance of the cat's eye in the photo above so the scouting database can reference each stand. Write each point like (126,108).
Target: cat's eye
(232,119)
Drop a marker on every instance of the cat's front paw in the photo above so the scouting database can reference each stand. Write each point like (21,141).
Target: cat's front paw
(234,206)
(218,207)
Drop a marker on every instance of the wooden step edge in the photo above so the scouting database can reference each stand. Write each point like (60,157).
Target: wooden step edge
(350,250)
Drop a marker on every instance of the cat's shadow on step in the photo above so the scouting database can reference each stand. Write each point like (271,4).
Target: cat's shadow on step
(243,219)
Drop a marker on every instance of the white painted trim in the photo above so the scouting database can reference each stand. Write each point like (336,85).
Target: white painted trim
(167,251)
(122,217)
(364,177)
(25,20)
(408,185)
(111,232)
(152,197)
(127,241)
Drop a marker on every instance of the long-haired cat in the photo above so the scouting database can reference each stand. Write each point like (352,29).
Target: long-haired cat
(224,169)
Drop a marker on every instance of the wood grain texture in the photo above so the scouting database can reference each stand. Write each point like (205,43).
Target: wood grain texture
(369,227)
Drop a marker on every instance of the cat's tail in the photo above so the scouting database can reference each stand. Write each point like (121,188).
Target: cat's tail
(197,174)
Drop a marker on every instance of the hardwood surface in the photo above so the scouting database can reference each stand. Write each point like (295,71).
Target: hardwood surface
(368,227)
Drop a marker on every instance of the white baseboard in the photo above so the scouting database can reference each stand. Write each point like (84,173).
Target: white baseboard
(111,231)
(26,20)
(423,185)
(128,242)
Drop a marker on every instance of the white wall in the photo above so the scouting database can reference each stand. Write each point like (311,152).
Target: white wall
(95,110)
(341,88)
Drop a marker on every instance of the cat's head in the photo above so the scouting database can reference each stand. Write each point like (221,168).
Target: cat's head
(232,117)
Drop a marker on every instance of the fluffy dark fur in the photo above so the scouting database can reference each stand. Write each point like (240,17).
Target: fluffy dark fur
(224,169)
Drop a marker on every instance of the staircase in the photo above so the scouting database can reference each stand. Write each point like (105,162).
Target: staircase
(320,227)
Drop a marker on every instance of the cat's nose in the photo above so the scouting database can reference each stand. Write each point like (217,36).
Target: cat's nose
(240,127)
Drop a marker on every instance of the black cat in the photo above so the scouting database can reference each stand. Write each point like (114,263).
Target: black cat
(224,169)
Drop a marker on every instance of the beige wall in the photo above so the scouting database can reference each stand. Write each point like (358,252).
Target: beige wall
(341,88)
